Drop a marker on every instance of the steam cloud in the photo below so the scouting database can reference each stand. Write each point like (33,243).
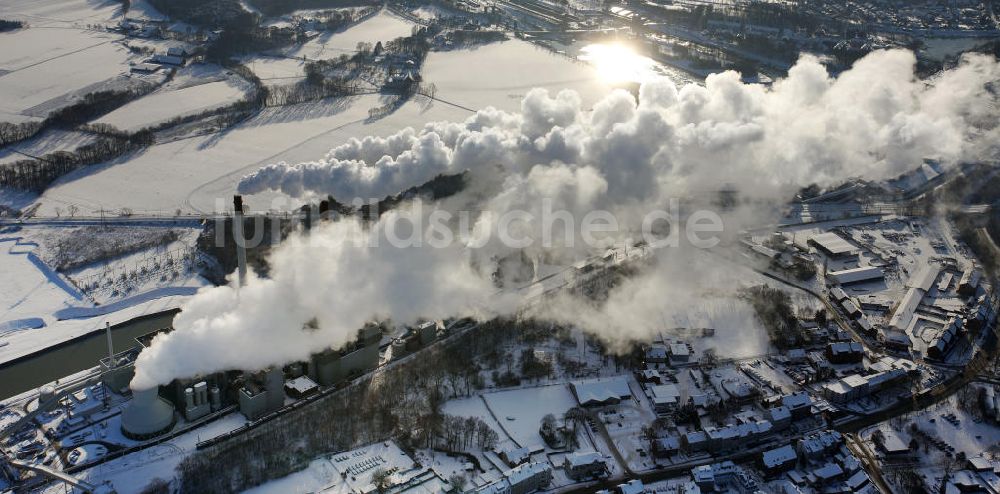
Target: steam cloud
(875,120)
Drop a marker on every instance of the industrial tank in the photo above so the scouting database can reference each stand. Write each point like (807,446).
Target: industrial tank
(147,416)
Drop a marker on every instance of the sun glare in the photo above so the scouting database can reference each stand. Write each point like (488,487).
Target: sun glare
(617,63)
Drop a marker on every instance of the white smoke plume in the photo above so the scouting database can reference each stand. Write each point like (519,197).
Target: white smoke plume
(875,120)
(339,277)
(625,155)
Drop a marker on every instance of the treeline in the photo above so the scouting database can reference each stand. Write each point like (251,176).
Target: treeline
(307,90)
(37,174)
(214,14)
(11,133)
(6,25)
(405,405)
(775,311)
(250,39)
(464,37)
(278,7)
(91,106)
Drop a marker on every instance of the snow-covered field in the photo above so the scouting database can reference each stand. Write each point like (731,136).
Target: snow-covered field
(60,13)
(138,280)
(28,290)
(201,173)
(500,74)
(521,421)
(275,70)
(195,174)
(380,27)
(49,141)
(165,105)
(45,67)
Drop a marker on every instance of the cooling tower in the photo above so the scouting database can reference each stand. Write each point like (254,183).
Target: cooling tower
(147,416)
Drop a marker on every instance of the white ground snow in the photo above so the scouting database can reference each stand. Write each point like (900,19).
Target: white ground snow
(520,411)
(31,290)
(49,141)
(44,64)
(191,174)
(501,74)
(276,70)
(59,13)
(380,27)
(165,105)
(25,290)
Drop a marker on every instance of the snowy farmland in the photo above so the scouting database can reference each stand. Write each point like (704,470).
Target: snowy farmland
(46,142)
(193,174)
(274,70)
(380,27)
(500,74)
(162,106)
(45,69)
(198,174)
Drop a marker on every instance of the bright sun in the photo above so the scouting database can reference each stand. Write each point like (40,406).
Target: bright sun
(618,63)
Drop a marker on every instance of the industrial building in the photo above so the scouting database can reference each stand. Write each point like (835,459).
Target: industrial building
(856,275)
(969,283)
(335,365)
(147,416)
(833,245)
(262,393)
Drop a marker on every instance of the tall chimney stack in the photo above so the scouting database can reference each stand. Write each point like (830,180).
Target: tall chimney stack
(111,345)
(241,248)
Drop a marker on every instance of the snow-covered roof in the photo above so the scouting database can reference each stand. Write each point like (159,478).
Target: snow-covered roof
(631,487)
(846,347)
(903,315)
(892,443)
(665,394)
(780,413)
(856,275)
(601,390)
(797,400)
(301,384)
(583,459)
(838,293)
(924,278)
(828,471)
(779,456)
(833,243)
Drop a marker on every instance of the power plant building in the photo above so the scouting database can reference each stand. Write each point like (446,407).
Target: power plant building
(335,365)
(147,416)
(258,399)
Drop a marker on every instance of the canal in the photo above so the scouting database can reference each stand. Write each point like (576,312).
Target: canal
(84,352)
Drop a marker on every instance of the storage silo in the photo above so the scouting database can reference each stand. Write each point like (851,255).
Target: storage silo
(147,415)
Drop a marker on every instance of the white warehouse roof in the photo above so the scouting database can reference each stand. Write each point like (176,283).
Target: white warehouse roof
(903,315)
(856,275)
(833,243)
(924,278)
